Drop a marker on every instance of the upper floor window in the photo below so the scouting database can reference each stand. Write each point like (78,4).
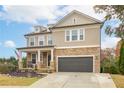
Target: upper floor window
(49,40)
(81,34)
(67,35)
(41,40)
(74,35)
(32,41)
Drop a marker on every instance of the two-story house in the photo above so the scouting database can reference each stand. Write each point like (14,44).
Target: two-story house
(70,45)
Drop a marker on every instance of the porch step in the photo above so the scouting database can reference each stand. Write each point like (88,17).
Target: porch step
(45,70)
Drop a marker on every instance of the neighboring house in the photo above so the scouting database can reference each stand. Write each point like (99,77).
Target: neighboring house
(70,45)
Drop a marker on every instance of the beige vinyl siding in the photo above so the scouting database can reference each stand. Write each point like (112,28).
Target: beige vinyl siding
(79,19)
(92,36)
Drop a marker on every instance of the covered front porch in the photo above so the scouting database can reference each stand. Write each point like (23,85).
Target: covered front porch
(38,58)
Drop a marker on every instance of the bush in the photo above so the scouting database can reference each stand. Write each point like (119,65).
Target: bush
(105,70)
(113,68)
(7,68)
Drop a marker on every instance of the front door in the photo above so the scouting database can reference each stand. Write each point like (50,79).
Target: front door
(34,58)
(49,59)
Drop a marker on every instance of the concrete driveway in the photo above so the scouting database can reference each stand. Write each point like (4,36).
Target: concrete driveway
(75,80)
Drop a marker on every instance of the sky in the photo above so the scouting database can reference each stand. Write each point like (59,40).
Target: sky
(16,21)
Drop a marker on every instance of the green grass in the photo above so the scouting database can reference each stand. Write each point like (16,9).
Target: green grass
(16,81)
(118,80)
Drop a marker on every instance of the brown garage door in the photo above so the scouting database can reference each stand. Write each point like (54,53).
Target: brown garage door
(75,64)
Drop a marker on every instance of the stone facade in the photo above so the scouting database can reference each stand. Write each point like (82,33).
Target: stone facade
(80,51)
(73,52)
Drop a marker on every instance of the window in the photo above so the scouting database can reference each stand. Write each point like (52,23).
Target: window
(74,35)
(49,40)
(32,41)
(41,40)
(67,35)
(81,34)
(74,20)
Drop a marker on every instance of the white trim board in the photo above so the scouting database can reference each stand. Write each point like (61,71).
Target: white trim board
(76,56)
(77,46)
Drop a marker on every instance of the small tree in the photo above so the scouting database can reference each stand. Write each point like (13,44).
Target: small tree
(114,12)
(121,58)
(24,62)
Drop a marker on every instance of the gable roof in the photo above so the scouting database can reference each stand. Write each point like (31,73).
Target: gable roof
(80,13)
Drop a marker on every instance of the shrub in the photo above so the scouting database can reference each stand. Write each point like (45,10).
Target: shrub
(7,68)
(114,70)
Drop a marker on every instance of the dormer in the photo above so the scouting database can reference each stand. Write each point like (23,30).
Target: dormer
(39,28)
(36,28)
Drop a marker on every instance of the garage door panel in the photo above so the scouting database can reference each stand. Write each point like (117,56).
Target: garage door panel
(75,64)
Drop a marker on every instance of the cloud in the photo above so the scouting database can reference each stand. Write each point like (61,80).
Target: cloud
(87,9)
(109,42)
(9,44)
(34,14)
(29,14)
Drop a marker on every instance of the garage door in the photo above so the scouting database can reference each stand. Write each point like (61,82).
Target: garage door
(75,64)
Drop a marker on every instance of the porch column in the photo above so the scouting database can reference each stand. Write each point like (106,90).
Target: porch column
(20,60)
(51,55)
(38,56)
(38,59)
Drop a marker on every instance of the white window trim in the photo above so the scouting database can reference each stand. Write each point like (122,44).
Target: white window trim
(47,40)
(78,38)
(30,41)
(39,40)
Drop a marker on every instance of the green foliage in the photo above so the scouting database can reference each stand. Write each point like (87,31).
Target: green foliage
(114,70)
(24,62)
(114,12)
(6,68)
(121,58)
(110,65)
(8,64)
(11,60)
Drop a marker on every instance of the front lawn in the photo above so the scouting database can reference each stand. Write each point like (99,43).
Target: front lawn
(118,80)
(16,81)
